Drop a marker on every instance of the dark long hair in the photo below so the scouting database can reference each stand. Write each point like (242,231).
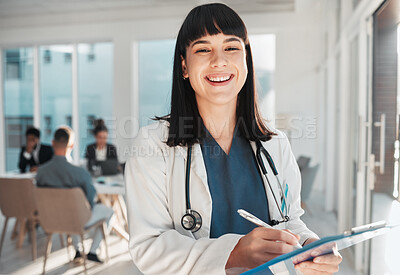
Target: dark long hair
(185,123)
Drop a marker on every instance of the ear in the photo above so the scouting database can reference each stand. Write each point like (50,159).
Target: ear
(184,68)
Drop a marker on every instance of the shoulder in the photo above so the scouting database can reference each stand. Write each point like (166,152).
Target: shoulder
(279,137)
(278,145)
(155,134)
(90,149)
(110,146)
(79,171)
(46,165)
(150,143)
(91,146)
(43,167)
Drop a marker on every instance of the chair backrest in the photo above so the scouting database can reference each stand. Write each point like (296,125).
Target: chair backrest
(17,198)
(62,210)
(308,175)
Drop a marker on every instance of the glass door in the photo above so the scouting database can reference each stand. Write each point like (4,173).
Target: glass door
(384,146)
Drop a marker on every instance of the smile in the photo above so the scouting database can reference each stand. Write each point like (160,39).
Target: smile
(219,79)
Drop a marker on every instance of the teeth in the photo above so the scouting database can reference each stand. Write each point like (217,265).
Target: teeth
(219,78)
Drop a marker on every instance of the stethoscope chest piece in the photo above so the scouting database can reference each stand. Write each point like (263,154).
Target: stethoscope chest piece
(191,220)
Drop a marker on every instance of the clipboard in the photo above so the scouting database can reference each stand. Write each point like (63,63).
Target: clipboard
(324,246)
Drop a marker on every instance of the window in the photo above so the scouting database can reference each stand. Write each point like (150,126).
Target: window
(94,93)
(55,89)
(155,78)
(95,75)
(18,101)
(67,57)
(263,51)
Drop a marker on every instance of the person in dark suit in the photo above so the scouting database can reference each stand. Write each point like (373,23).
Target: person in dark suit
(100,150)
(33,153)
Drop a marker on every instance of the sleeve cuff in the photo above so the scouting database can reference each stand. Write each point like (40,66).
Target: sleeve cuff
(27,155)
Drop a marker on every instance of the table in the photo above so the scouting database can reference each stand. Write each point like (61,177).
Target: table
(110,193)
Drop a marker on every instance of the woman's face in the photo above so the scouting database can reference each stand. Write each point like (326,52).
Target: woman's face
(101,138)
(216,67)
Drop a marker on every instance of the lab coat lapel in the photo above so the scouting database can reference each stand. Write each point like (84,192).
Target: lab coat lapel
(273,209)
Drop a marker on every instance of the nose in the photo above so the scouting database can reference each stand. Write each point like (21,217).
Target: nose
(218,59)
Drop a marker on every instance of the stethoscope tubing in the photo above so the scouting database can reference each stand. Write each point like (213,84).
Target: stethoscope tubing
(260,149)
(273,195)
(187,191)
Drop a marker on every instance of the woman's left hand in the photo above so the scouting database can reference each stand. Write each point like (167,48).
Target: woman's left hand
(325,264)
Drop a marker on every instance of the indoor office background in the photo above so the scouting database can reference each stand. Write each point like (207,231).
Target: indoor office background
(327,75)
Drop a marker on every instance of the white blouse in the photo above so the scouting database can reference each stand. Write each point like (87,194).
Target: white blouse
(101,155)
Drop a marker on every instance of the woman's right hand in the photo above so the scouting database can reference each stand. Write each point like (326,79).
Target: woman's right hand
(261,245)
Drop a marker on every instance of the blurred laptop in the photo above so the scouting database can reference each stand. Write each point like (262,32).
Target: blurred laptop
(109,167)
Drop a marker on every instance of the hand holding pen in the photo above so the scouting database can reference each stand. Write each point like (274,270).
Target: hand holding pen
(257,221)
(261,245)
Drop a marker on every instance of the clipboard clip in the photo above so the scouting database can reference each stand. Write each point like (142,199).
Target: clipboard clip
(366,227)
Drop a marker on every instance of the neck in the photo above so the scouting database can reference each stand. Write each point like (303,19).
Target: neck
(219,120)
(60,152)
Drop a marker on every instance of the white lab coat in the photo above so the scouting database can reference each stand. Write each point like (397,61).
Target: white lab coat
(155,193)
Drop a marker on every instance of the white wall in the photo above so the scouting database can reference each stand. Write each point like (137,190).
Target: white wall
(297,81)
(299,93)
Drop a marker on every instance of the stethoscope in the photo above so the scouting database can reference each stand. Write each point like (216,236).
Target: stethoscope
(192,220)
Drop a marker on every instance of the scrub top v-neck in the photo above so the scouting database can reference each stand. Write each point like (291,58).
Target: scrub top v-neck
(235,183)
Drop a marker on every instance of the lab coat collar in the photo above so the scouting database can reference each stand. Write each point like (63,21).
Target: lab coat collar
(198,165)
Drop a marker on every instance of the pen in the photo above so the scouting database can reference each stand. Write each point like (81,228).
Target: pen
(257,221)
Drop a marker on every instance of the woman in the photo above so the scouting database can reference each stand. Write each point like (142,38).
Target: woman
(200,161)
(100,150)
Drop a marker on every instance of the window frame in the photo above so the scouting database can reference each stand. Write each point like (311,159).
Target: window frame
(36,93)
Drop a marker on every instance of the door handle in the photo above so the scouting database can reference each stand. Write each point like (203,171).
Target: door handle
(371,172)
(361,132)
(382,137)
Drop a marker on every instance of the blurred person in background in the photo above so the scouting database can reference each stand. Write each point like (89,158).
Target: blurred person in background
(100,150)
(34,153)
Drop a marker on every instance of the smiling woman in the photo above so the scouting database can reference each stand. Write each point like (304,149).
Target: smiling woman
(214,44)
(196,167)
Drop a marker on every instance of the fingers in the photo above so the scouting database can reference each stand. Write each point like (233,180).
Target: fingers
(309,267)
(295,235)
(327,263)
(278,248)
(306,271)
(276,235)
(331,259)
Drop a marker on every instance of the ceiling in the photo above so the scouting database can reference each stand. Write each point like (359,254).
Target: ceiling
(22,8)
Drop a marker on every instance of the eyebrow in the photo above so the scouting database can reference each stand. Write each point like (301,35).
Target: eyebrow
(231,39)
